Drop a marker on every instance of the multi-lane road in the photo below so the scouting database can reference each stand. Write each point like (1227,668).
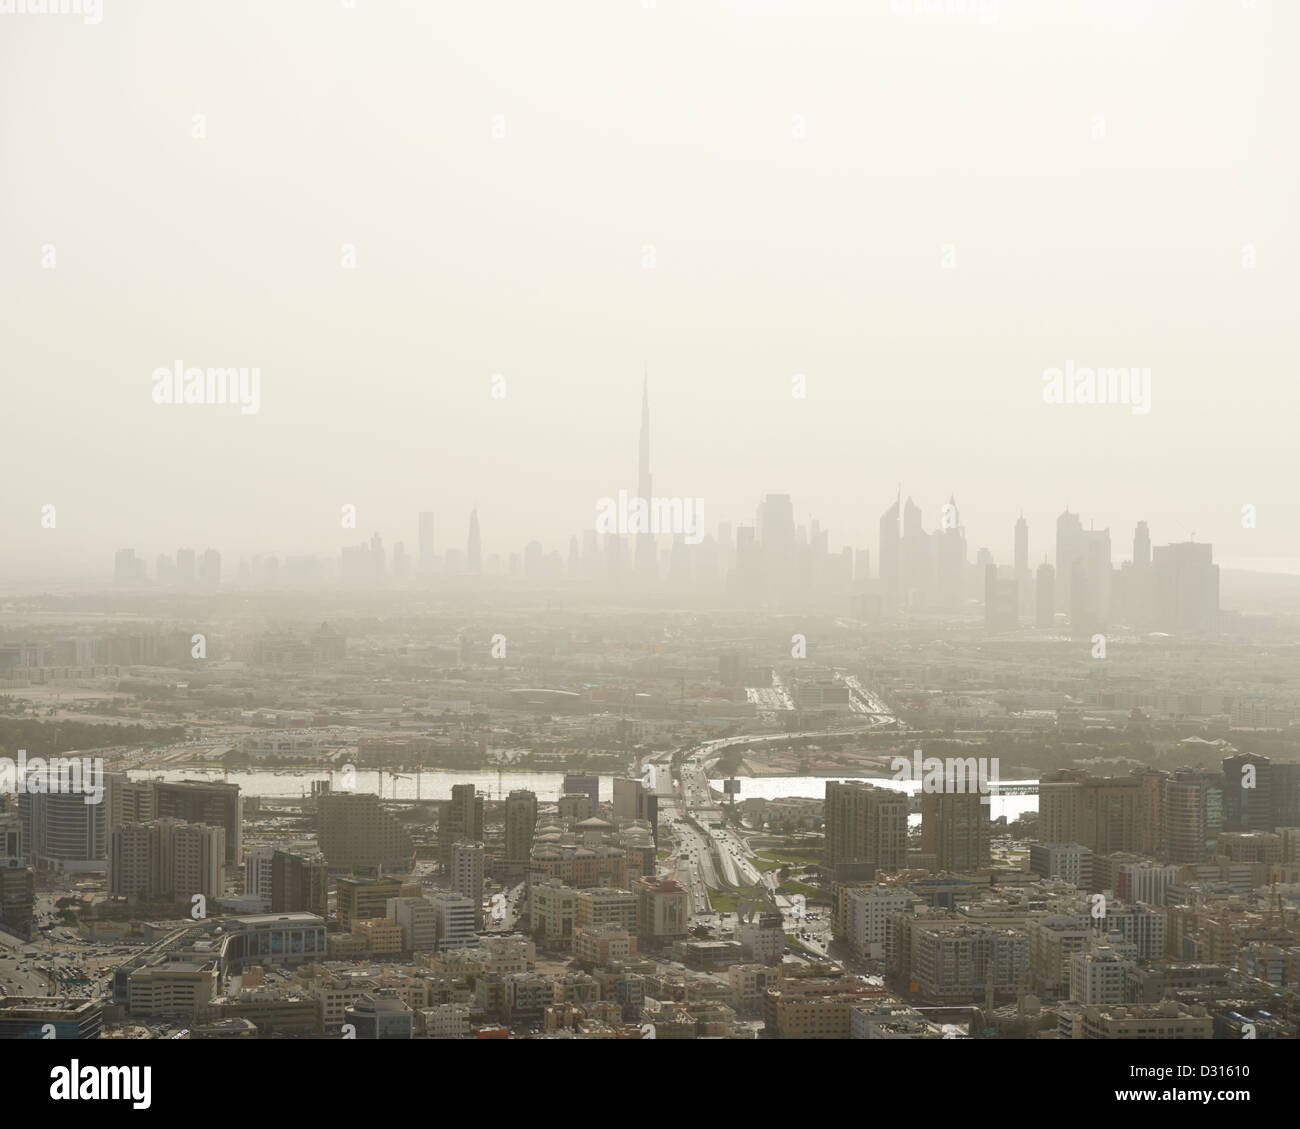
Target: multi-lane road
(714,855)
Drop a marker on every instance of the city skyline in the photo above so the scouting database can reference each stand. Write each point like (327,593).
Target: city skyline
(647,547)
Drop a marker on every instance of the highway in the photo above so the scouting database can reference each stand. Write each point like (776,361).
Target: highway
(720,857)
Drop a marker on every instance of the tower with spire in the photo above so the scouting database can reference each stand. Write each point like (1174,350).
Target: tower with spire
(474,550)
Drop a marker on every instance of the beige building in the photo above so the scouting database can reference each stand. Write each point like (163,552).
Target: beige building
(816,1007)
(553,910)
(749,984)
(601,945)
(1052,941)
(663,909)
(605,905)
(355,831)
(171,987)
(381,935)
(1168,1020)
(866,829)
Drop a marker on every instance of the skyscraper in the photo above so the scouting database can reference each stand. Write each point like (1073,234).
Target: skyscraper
(474,551)
(1141,545)
(1001,601)
(776,536)
(1044,595)
(645,540)
(520,819)
(952,557)
(467,868)
(1024,585)
(866,828)
(1090,576)
(1069,536)
(210,568)
(201,801)
(461,819)
(916,560)
(889,540)
(426,543)
(1186,583)
(955,828)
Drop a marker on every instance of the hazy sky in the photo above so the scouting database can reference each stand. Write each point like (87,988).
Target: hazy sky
(1095,167)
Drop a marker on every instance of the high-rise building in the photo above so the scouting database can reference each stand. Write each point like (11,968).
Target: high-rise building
(63,832)
(645,539)
(210,568)
(129,801)
(128,568)
(456,920)
(889,546)
(867,913)
(1191,815)
(956,829)
(520,819)
(426,543)
(1248,802)
(1071,862)
(1105,814)
(17,897)
(199,854)
(583,782)
(957,962)
(467,875)
(185,568)
(633,800)
(355,832)
(774,523)
(474,549)
(461,818)
(166,859)
(1141,545)
(1044,596)
(951,540)
(135,869)
(11,839)
(1186,587)
(299,883)
(418,920)
(916,560)
(197,801)
(1090,580)
(1001,601)
(866,829)
(257,873)
(359,899)
(663,910)
(1069,537)
(1023,576)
